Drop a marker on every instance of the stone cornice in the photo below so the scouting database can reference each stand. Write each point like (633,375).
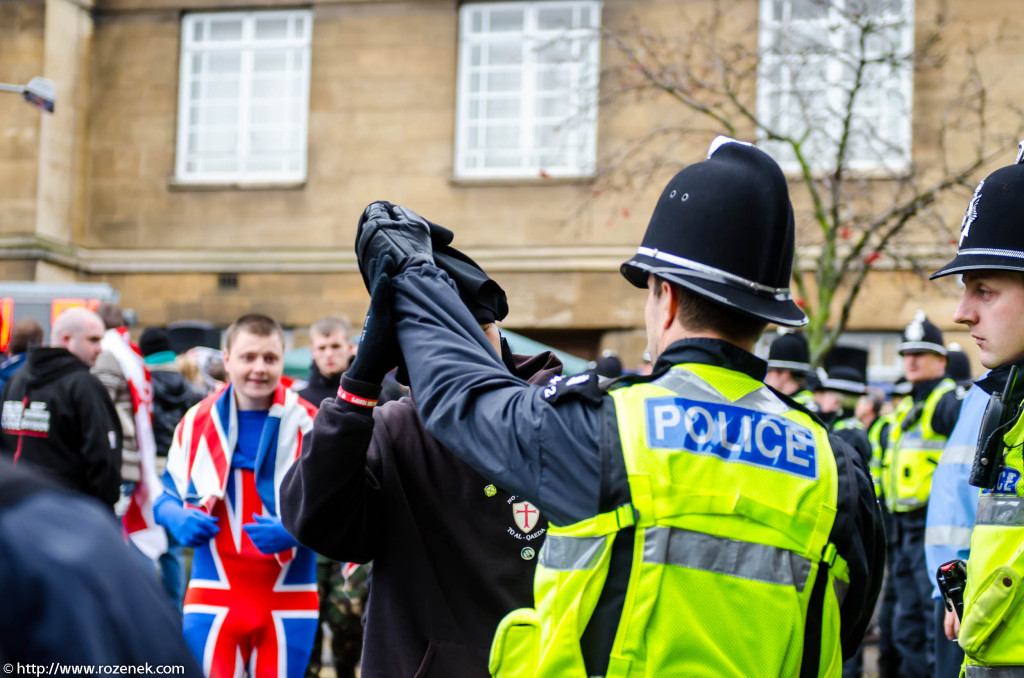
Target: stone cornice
(603,258)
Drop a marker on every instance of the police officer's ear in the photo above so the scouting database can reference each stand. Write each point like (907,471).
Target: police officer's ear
(667,300)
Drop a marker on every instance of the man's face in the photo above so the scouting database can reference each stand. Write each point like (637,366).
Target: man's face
(85,345)
(923,366)
(254,365)
(331,352)
(993,309)
(779,380)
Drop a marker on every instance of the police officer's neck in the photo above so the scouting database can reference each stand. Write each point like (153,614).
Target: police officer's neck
(677,332)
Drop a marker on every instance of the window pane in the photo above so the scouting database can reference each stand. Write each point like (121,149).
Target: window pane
(556,51)
(223,62)
(226,29)
(221,89)
(197,31)
(504,82)
(506,20)
(505,54)
(559,18)
(220,115)
(269,114)
(503,108)
(267,88)
(502,137)
(271,29)
(550,107)
(553,79)
(809,9)
(269,62)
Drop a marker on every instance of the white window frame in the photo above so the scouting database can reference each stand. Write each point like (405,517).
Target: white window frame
(297,45)
(888,145)
(576,129)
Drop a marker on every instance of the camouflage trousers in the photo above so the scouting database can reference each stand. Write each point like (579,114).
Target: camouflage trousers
(343,594)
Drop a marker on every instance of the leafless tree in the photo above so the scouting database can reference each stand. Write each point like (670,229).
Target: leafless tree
(818,84)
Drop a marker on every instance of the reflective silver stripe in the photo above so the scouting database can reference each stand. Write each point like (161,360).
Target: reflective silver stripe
(947,535)
(957,454)
(997,509)
(911,502)
(992,252)
(995,671)
(715,274)
(921,346)
(788,365)
(915,445)
(564,554)
(746,560)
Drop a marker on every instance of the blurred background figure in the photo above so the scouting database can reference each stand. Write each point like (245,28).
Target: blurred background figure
(789,368)
(331,348)
(25,334)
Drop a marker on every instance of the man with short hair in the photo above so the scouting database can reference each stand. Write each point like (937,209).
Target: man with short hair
(251,602)
(990,256)
(921,425)
(57,417)
(331,349)
(25,333)
(693,530)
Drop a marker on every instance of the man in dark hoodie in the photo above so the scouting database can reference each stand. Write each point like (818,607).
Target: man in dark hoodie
(452,553)
(57,416)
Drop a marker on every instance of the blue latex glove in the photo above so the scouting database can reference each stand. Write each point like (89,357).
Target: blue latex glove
(268,534)
(189,526)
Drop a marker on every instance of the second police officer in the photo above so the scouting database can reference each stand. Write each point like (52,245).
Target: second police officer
(701,524)
(991,260)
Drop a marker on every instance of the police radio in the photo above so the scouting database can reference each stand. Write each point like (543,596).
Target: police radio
(952,577)
(999,416)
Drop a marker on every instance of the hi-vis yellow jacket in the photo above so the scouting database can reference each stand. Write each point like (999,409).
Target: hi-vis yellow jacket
(733,499)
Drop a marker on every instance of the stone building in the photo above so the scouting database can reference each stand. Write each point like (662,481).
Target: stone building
(211,157)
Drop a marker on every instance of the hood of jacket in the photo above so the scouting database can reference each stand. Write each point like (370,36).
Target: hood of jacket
(46,364)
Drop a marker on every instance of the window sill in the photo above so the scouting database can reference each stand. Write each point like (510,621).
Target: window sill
(178,185)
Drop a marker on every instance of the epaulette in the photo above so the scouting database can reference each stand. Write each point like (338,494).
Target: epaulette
(585,386)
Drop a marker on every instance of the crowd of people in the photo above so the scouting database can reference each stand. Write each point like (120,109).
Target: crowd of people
(711,514)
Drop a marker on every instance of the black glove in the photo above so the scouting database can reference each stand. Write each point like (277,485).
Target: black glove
(378,351)
(399,233)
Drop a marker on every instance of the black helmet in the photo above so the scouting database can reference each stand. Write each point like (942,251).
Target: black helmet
(723,228)
(992,232)
(921,336)
(846,368)
(789,351)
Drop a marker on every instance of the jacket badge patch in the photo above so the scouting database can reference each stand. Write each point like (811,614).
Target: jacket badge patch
(526,515)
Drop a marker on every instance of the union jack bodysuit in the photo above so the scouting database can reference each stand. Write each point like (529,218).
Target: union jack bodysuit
(244,611)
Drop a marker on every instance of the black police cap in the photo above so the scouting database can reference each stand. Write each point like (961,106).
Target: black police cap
(790,352)
(958,365)
(846,368)
(723,228)
(922,336)
(992,231)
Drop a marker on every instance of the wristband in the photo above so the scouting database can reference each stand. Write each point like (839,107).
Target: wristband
(354,399)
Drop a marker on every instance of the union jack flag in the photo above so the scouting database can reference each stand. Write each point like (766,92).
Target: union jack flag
(245,611)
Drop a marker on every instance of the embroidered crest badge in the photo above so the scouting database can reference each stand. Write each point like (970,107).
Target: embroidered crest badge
(526,515)
(915,330)
(971,214)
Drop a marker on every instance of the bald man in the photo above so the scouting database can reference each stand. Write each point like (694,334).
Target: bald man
(58,418)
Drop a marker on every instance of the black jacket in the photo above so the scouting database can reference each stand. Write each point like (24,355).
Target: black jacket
(549,444)
(449,558)
(319,386)
(172,398)
(72,590)
(68,428)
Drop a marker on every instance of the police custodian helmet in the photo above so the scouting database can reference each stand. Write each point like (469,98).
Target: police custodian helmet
(723,228)
(992,232)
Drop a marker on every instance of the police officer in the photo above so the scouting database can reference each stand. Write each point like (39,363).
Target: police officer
(921,424)
(691,523)
(789,365)
(991,260)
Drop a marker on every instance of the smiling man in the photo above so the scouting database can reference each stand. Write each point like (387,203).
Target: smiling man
(252,599)
(991,259)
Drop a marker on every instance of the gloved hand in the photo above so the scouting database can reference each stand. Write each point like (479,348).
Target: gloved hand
(268,534)
(189,526)
(387,230)
(378,350)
